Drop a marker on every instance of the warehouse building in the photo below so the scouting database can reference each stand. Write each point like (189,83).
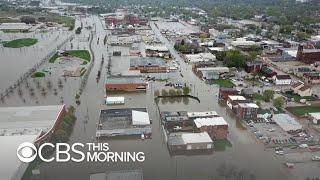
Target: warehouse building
(125,83)
(148,65)
(190,142)
(16,27)
(124,122)
(31,120)
(287,123)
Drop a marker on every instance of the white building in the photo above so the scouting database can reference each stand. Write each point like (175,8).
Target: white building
(114,100)
(282,79)
(315,117)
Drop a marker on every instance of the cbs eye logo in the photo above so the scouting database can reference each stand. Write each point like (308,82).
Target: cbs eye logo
(26,152)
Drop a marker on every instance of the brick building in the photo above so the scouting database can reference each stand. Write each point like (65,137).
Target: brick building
(225,92)
(148,65)
(247,110)
(125,83)
(216,127)
(308,56)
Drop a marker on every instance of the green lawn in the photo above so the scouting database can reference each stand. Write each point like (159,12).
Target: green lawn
(302,110)
(223,83)
(297,98)
(38,75)
(83,54)
(18,43)
(53,58)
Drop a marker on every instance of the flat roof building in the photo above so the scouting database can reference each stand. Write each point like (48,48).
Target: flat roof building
(287,123)
(118,175)
(124,122)
(31,120)
(148,65)
(190,142)
(125,83)
(23,27)
(216,127)
(11,167)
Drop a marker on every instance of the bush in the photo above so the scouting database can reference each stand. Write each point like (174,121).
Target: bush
(179,92)
(268,95)
(186,90)
(278,102)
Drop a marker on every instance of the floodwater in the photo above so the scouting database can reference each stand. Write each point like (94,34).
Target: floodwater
(247,157)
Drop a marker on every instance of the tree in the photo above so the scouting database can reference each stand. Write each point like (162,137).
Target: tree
(164,92)
(268,95)
(278,102)
(179,92)
(235,58)
(172,92)
(61,135)
(186,90)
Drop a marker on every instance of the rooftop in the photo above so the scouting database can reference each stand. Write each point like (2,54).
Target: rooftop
(248,105)
(124,80)
(147,62)
(28,119)
(214,121)
(188,138)
(315,115)
(237,98)
(130,121)
(9,161)
(202,114)
(283,76)
(14,26)
(286,122)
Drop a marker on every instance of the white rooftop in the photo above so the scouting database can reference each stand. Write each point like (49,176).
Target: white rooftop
(14,26)
(217,69)
(10,164)
(189,138)
(315,115)
(214,121)
(157,47)
(140,118)
(28,120)
(114,100)
(248,105)
(237,98)
(202,114)
(286,122)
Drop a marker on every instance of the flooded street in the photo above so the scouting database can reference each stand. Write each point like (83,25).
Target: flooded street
(246,154)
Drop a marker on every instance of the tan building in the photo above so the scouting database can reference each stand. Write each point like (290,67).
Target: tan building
(301,89)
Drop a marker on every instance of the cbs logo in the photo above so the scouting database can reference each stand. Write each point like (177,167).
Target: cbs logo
(26,152)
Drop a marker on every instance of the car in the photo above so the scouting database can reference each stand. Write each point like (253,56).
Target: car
(315,158)
(177,128)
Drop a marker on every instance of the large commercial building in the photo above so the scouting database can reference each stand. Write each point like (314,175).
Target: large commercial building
(32,120)
(34,124)
(308,56)
(148,65)
(124,122)
(287,123)
(125,83)
(190,142)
